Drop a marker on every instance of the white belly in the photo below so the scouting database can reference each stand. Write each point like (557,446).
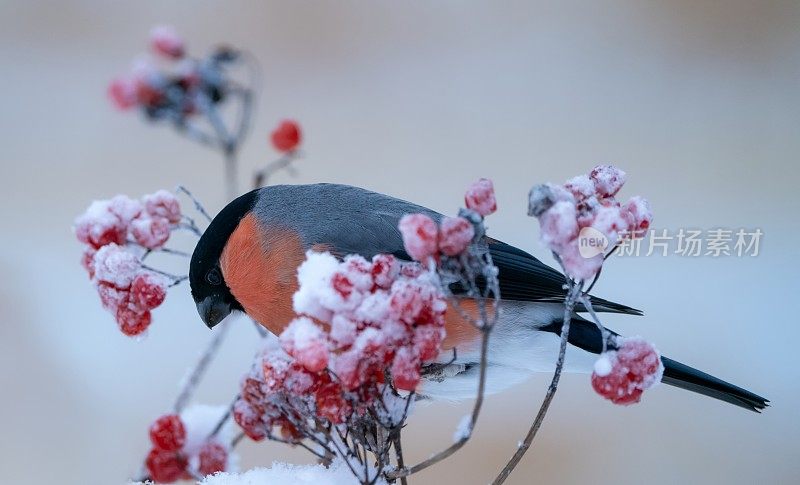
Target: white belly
(516,351)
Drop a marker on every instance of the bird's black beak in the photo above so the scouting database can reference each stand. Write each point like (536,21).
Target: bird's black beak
(213,310)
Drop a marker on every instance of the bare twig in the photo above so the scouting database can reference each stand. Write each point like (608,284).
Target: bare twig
(197,205)
(476,410)
(284,162)
(573,293)
(199,370)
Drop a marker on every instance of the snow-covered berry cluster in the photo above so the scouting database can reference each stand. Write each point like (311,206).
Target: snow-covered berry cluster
(585,211)
(171,85)
(424,239)
(622,375)
(286,137)
(116,232)
(363,326)
(183,449)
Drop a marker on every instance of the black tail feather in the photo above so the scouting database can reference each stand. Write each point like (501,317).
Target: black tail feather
(685,377)
(585,335)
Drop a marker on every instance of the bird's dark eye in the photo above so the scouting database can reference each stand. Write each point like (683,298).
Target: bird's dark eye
(214,278)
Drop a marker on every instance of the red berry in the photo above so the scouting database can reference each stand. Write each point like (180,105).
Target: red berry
(342,284)
(405,369)
(607,179)
(168,433)
(384,270)
(213,458)
(112,297)
(133,321)
(331,404)
(253,391)
(163,203)
(165,41)
(455,234)
(286,137)
(166,466)
(148,290)
(150,232)
(249,419)
(623,376)
(420,236)
(480,197)
(428,341)
(305,341)
(122,92)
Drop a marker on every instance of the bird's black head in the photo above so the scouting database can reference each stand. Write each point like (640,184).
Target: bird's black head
(211,294)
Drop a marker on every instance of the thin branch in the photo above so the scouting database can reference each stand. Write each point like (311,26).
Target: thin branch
(175,278)
(199,369)
(284,162)
(197,205)
(586,300)
(569,306)
(406,471)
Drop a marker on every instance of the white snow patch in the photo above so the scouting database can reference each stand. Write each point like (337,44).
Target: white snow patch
(464,429)
(284,473)
(603,366)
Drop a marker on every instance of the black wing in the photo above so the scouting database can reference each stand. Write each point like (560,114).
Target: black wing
(525,278)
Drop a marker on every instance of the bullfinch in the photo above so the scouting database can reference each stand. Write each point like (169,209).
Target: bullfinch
(247,261)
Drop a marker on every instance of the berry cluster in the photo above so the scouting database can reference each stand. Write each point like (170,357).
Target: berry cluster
(115,232)
(362,325)
(174,457)
(587,201)
(622,375)
(172,86)
(423,239)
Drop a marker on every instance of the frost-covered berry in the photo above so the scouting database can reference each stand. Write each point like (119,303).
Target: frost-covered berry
(115,265)
(98,226)
(150,232)
(166,466)
(164,40)
(385,269)
(420,236)
(305,341)
(122,93)
(622,376)
(163,203)
(125,208)
(213,458)
(249,419)
(455,234)
(607,179)
(287,136)
(111,297)
(148,290)
(330,402)
(581,187)
(558,225)
(405,369)
(168,433)
(133,321)
(428,341)
(480,197)
(639,215)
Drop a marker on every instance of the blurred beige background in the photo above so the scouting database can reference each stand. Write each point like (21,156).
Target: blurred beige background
(698,101)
